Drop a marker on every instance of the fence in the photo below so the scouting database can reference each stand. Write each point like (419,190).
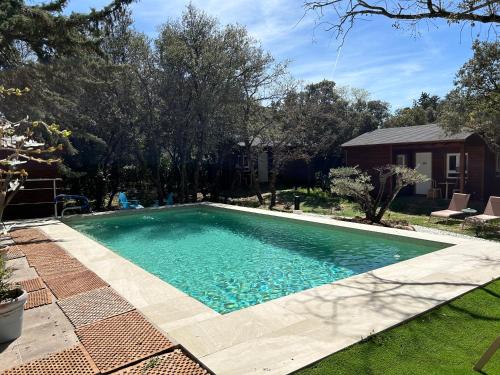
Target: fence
(49,189)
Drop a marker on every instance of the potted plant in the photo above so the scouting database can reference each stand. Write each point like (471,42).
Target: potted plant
(12,300)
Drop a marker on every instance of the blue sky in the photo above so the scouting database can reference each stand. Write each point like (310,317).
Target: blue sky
(391,64)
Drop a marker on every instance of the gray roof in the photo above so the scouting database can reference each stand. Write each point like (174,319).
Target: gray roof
(408,134)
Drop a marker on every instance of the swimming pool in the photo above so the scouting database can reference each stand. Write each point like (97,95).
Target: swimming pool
(230,260)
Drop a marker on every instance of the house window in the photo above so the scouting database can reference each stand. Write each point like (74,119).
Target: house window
(243,161)
(453,165)
(401,160)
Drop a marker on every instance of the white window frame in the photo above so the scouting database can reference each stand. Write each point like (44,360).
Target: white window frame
(456,173)
(405,164)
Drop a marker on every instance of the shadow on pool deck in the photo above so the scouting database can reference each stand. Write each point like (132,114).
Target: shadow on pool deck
(449,338)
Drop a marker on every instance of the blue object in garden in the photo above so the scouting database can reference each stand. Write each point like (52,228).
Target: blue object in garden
(126,204)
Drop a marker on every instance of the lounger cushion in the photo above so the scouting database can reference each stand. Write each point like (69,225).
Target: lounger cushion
(483,217)
(446,213)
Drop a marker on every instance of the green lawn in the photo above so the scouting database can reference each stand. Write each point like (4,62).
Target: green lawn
(446,340)
(414,210)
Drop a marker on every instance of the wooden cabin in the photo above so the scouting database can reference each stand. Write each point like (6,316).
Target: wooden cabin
(454,162)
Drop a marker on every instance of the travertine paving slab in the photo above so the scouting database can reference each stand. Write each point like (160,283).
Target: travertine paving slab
(90,307)
(38,298)
(115,342)
(215,334)
(74,283)
(21,270)
(173,363)
(32,284)
(172,313)
(74,361)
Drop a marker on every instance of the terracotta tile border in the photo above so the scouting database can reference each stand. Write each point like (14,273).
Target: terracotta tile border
(32,284)
(74,283)
(38,298)
(72,361)
(93,306)
(122,340)
(175,362)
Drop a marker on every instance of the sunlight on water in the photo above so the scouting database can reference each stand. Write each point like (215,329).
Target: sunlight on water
(230,260)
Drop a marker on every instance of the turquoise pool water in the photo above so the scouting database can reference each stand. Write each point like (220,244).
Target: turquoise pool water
(230,260)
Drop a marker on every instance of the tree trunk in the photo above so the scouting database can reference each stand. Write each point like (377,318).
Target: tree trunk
(272,188)
(4,199)
(160,193)
(182,187)
(3,206)
(196,180)
(214,191)
(100,192)
(111,197)
(384,206)
(308,177)
(202,123)
(254,177)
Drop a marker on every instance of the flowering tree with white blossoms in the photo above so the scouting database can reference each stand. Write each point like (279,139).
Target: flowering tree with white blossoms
(20,142)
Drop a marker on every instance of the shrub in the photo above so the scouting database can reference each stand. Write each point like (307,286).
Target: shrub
(5,286)
(351,182)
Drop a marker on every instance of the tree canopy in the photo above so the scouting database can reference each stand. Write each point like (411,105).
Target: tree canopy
(423,111)
(474,104)
(44,32)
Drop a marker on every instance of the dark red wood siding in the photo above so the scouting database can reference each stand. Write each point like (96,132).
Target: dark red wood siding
(482,179)
(492,178)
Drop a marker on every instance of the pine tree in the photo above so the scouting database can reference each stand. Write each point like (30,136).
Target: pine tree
(43,32)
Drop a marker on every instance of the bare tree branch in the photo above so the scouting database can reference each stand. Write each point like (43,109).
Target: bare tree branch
(346,12)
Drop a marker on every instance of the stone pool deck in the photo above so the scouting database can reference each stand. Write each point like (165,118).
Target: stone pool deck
(286,334)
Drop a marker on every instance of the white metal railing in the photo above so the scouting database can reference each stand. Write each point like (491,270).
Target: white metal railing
(54,189)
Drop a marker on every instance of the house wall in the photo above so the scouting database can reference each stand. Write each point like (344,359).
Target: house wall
(476,148)
(438,150)
(492,179)
(34,198)
(369,157)
(481,180)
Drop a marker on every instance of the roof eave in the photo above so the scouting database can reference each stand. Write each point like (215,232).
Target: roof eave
(410,143)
